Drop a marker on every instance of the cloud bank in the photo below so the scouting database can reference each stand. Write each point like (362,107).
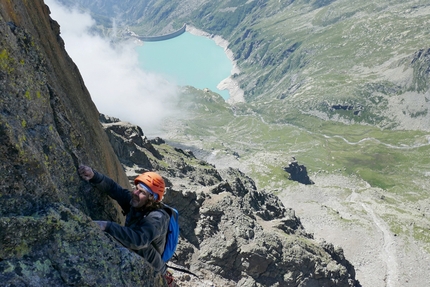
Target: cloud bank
(118,86)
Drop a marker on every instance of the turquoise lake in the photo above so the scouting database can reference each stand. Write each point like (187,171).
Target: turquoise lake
(187,60)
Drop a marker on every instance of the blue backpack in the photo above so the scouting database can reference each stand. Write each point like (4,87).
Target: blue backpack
(172,235)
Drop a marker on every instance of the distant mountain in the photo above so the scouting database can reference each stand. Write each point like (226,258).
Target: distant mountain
(312,56)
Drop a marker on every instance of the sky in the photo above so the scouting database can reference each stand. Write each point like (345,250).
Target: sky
(118,86)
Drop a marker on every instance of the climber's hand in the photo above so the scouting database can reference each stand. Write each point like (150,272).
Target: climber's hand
(101,224)
(85,172)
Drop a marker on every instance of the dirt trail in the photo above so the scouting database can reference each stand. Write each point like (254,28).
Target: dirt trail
(388,251)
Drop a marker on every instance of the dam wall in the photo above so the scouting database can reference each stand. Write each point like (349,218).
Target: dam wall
(163,37)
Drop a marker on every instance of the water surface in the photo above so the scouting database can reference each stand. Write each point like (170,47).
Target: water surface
(187,60)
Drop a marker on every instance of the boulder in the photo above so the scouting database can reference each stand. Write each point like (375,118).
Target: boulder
(298,172)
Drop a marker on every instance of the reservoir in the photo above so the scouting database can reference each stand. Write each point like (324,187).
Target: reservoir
(187,60)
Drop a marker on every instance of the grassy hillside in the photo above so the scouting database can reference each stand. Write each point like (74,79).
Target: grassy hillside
(310,57)
(394,163)
(391,160)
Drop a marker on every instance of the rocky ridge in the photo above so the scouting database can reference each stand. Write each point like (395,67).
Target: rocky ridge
(232,234)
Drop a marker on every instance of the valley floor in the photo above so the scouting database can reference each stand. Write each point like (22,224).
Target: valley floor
(346,213)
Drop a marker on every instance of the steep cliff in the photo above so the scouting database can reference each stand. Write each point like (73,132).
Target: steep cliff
(48,126)
(230,231)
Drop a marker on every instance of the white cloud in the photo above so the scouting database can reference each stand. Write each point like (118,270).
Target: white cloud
(118,86)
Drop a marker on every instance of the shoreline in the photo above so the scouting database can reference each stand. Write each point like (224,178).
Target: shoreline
(237,95)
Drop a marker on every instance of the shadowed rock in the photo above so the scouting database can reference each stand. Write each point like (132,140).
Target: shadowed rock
(298,172)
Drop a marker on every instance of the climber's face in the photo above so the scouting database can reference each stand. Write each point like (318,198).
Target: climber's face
(140,197)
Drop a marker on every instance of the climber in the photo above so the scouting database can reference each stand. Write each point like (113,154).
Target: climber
(144,231)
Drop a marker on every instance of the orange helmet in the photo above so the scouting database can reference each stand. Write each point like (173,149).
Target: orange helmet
(154,181)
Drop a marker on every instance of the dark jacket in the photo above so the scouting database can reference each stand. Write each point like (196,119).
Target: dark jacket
(144,232)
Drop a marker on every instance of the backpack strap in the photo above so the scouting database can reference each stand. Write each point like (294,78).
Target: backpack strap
(163,211)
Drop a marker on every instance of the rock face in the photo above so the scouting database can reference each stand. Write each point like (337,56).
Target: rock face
(231,232)
(48,126)
(298,172)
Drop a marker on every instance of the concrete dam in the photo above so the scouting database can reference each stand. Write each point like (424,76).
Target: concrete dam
(163,37)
